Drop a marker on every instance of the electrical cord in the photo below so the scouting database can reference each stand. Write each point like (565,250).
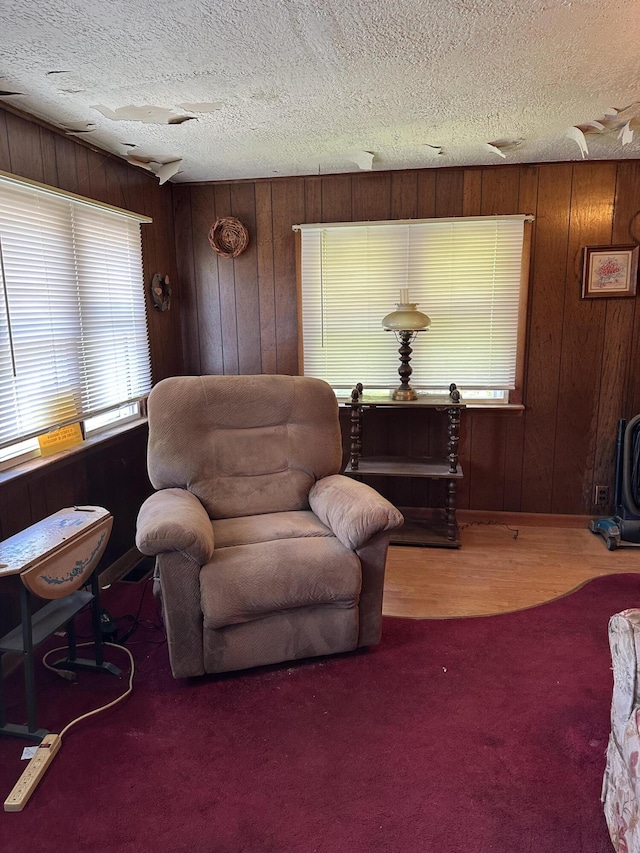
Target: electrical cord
(70,675)
(66,673)
(514,530)
(51,743)
(136,621)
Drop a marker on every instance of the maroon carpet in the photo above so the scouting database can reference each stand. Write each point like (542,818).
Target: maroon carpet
(461,735)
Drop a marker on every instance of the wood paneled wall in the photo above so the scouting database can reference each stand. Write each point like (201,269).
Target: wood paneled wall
(240,316)
(114,474)
(582,368)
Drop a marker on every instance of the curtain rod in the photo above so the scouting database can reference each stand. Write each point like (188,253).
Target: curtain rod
(526,217)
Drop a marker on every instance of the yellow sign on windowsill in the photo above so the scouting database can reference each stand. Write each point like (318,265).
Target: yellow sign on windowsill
(60,439)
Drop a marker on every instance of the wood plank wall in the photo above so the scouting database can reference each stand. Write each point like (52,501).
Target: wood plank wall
(114,474)
(583,356)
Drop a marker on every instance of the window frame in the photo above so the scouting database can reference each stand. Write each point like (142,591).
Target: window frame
(141,300)
(513,397)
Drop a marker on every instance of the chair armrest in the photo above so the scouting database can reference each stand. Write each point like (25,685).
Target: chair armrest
(353,511)
(175,520)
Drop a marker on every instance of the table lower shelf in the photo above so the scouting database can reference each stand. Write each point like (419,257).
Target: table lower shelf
(429,530)
(399,466)
(47,620)
(422,527)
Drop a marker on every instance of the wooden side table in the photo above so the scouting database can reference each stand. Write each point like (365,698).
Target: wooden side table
(441,529)
(53,559)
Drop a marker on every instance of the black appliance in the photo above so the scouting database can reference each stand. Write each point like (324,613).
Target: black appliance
(625,524)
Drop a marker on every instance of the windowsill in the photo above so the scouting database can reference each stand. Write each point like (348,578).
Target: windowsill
(41,462)
(482,405)
(496,407)
(91,443)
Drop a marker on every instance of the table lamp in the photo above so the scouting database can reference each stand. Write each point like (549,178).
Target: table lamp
(405,322)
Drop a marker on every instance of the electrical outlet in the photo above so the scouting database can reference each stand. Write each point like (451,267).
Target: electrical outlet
(601,494)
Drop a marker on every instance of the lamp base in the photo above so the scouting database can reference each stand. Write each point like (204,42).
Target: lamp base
(404,394)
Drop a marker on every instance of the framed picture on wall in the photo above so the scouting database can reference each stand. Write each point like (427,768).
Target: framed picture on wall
(609,271)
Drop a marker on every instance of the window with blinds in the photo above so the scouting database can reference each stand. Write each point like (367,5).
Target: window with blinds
(73,327)
(466,274)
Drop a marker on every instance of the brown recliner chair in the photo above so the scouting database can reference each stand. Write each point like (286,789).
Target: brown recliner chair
(265,553)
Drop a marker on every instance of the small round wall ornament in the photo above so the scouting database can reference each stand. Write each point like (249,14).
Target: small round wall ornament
(228,237)
(161,292)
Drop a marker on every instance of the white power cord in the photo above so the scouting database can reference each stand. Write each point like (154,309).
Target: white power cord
(51,743)
(66,673)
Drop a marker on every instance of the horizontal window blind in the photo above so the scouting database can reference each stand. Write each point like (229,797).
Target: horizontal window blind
(73,329)
(465,274)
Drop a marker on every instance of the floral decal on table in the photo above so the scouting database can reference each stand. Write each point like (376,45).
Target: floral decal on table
(79,568)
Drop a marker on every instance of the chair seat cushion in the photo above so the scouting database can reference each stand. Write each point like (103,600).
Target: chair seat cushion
(248,582)
(250,529)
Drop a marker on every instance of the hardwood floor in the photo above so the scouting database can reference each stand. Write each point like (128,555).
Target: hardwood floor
(498,568)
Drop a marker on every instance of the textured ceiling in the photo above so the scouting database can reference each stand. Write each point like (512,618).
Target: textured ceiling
(256,88)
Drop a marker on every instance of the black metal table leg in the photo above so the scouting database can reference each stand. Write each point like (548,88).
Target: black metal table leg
(99,664)
(31,730)
(29,669)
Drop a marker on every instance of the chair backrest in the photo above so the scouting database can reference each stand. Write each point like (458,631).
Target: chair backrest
(244,445)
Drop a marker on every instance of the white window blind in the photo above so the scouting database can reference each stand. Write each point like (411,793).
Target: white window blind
(464,273)
(73,328)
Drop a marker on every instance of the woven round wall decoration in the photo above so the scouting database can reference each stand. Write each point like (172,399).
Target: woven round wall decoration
(228,237)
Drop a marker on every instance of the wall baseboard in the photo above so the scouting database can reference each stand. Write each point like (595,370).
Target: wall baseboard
(121,567)
(524,519)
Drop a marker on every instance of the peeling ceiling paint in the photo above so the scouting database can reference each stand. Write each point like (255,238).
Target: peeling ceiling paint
(80,127)
(146,114)
(163,168)
(363,159)
(625,121)
(253,88)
